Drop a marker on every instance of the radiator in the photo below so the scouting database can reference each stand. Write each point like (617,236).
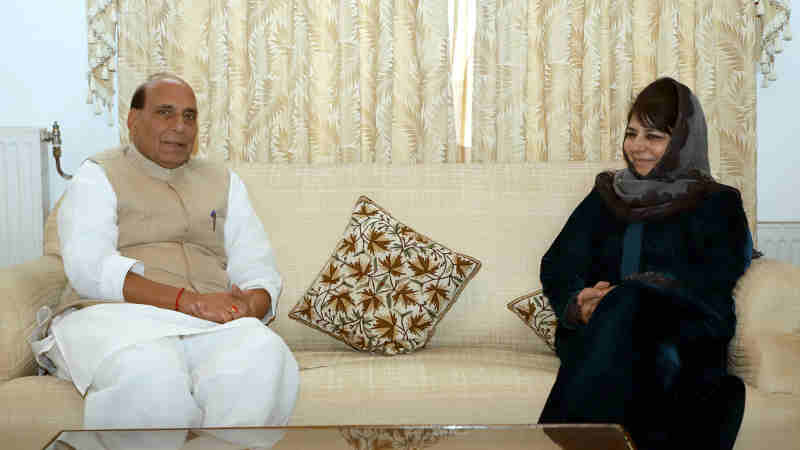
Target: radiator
(780,240)
(24,194)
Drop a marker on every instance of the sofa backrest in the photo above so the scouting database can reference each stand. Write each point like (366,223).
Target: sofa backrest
(504,215)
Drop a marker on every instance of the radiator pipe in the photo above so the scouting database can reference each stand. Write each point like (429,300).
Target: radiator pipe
(55,138)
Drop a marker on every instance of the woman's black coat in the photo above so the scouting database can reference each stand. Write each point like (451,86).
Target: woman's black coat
(656,346)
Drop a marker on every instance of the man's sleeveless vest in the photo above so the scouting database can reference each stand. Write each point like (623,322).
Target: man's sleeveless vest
(171,220)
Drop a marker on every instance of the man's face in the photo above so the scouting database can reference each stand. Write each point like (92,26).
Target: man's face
(165,129)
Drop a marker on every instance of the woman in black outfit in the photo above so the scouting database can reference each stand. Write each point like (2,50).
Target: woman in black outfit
(641,279)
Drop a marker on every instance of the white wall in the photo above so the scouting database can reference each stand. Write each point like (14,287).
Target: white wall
(778,128)
(43,79)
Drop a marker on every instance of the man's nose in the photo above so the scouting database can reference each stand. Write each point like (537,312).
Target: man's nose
(179,124)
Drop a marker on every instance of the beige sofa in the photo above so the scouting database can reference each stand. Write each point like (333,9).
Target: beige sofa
(483,365)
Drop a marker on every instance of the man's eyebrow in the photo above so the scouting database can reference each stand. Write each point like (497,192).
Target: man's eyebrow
(173,108)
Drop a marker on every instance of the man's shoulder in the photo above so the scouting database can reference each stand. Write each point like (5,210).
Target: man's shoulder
(109,154)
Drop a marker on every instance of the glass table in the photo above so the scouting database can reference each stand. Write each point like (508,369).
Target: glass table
(407,437)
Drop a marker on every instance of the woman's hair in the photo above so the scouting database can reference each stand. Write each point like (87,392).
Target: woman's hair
(657,106)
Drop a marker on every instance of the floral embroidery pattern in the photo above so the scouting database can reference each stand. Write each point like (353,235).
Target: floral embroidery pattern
(385,287)
(534,309)
(394,438)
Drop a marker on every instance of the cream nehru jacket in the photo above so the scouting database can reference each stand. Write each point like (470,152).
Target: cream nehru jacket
(172,220)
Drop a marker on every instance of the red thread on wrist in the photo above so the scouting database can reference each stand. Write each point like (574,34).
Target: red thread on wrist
(178,298)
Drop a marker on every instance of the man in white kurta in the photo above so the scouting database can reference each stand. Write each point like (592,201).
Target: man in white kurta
(188,275)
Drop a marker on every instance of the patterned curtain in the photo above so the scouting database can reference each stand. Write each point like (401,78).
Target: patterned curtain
(554,79)
(311,81)
(337,81)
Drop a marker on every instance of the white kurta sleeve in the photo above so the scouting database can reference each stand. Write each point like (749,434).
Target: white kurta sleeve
(251,261)
(87,231)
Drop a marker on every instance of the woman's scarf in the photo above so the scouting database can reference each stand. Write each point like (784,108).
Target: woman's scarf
(680,180)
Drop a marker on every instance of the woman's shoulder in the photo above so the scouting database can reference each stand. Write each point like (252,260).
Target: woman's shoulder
(722,206)
(593,201)
(602,199)
(593,213)
(722,196)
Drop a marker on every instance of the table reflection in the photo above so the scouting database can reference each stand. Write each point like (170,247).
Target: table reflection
(394,438)
(408,437)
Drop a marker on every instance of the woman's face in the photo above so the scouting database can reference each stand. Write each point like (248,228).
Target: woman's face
(644,146)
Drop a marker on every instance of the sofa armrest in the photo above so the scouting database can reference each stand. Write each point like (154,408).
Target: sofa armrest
(24,288)
(765,351)
(777,358)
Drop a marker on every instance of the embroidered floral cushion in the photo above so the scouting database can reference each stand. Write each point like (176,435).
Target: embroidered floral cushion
(385,287)
(534,309)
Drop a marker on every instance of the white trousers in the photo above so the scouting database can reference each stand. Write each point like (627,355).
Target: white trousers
(237,376)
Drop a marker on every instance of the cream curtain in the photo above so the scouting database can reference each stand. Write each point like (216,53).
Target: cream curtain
(554,78)
(338,81)
(311,81)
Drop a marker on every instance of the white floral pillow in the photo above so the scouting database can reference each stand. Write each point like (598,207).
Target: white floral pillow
(534,309)
(385,287)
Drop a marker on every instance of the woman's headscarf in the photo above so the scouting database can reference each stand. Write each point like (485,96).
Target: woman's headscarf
(680,179)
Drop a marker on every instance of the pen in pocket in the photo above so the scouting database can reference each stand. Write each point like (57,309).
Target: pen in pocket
(213,220)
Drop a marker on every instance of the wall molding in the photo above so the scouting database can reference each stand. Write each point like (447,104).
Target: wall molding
(780,240)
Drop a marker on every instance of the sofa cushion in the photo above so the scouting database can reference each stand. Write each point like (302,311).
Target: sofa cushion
(535,311)
(770,421)
(765,350)
(437,386)
(385,287)
(36,408)
(24,289)
(52,244)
